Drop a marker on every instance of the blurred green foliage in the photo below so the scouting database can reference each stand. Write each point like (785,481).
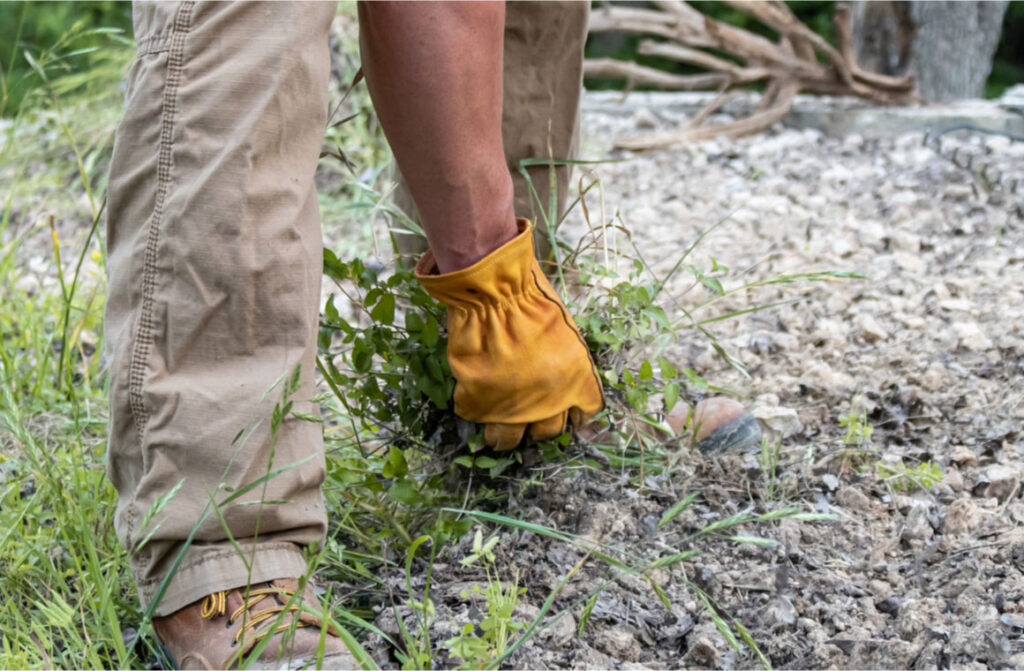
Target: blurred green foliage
(33,27)
(1008,65)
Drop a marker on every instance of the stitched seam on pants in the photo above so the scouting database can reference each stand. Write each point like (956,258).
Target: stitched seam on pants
(143,344)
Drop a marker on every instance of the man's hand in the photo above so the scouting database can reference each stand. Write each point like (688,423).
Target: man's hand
(519,361)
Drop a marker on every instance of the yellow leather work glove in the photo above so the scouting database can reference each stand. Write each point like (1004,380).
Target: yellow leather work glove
(518,358)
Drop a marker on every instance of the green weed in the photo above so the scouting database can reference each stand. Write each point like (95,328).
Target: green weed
(903,479)
(478,650)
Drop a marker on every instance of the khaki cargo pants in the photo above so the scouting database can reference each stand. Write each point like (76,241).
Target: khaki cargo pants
(215,255)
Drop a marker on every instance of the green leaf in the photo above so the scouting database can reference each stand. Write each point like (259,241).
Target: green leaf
(331,312)
(671,393)
(646,370)
(752,644)
(413,322)
(637,399)
(668,371)
(333,267)
(661,594)
(404,491)
(499,467)
(464,460)
(679,507)
(673,559)
(430,333)
(384,311)
(362,356)
(694,380)
(396,465)
(585,615)
(713,284)
(755,540)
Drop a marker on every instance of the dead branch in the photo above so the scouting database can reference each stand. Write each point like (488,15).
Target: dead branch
(635,74)
(801,60)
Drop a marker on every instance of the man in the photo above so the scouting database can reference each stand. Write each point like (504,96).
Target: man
(215,257)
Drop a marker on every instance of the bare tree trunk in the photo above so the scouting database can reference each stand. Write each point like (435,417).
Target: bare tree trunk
(947,45)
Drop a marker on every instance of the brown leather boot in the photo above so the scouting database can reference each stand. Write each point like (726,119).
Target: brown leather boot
(217,631)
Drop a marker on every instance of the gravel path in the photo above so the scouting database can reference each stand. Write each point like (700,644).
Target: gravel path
(929,347)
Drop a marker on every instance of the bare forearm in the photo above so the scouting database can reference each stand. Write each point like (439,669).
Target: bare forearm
(434,70)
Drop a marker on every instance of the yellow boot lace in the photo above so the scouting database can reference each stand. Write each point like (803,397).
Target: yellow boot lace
(215,605)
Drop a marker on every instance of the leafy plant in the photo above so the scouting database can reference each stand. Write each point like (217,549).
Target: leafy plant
(478,650)
(923,476)
(857,451)
(395,370)
(858,430)
(768,460)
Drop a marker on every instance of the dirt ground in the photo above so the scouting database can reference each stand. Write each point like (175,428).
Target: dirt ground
(930,347)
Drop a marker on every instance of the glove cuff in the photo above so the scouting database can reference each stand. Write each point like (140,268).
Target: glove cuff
(497,278)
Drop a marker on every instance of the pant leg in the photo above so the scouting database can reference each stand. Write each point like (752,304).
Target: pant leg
(543,79)
(215,258)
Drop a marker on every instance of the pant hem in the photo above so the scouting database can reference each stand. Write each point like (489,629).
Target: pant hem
(223,570)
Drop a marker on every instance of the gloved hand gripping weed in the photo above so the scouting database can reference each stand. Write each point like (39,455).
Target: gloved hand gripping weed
(519,361)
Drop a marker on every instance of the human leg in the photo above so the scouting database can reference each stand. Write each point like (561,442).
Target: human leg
(214,259)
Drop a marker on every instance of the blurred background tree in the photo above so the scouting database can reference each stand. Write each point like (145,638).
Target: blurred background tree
(935,37)
(947,46)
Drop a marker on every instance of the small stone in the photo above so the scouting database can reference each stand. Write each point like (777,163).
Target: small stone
(964,456)
(702,654)
(958,192)
(917,527)
(721,424)
(971,336)
(1016,511)
(906,241)
(1003,482)
(830,481)
(869,329)
(853,141)
(781,612)
(854,499)
(958,305)
(819,374)
(783,421)
(618,642)
(645,118)
(889,605)
(954,480)
(676,418)
(963,516)
(935,377)
(560,633)
(911,262)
